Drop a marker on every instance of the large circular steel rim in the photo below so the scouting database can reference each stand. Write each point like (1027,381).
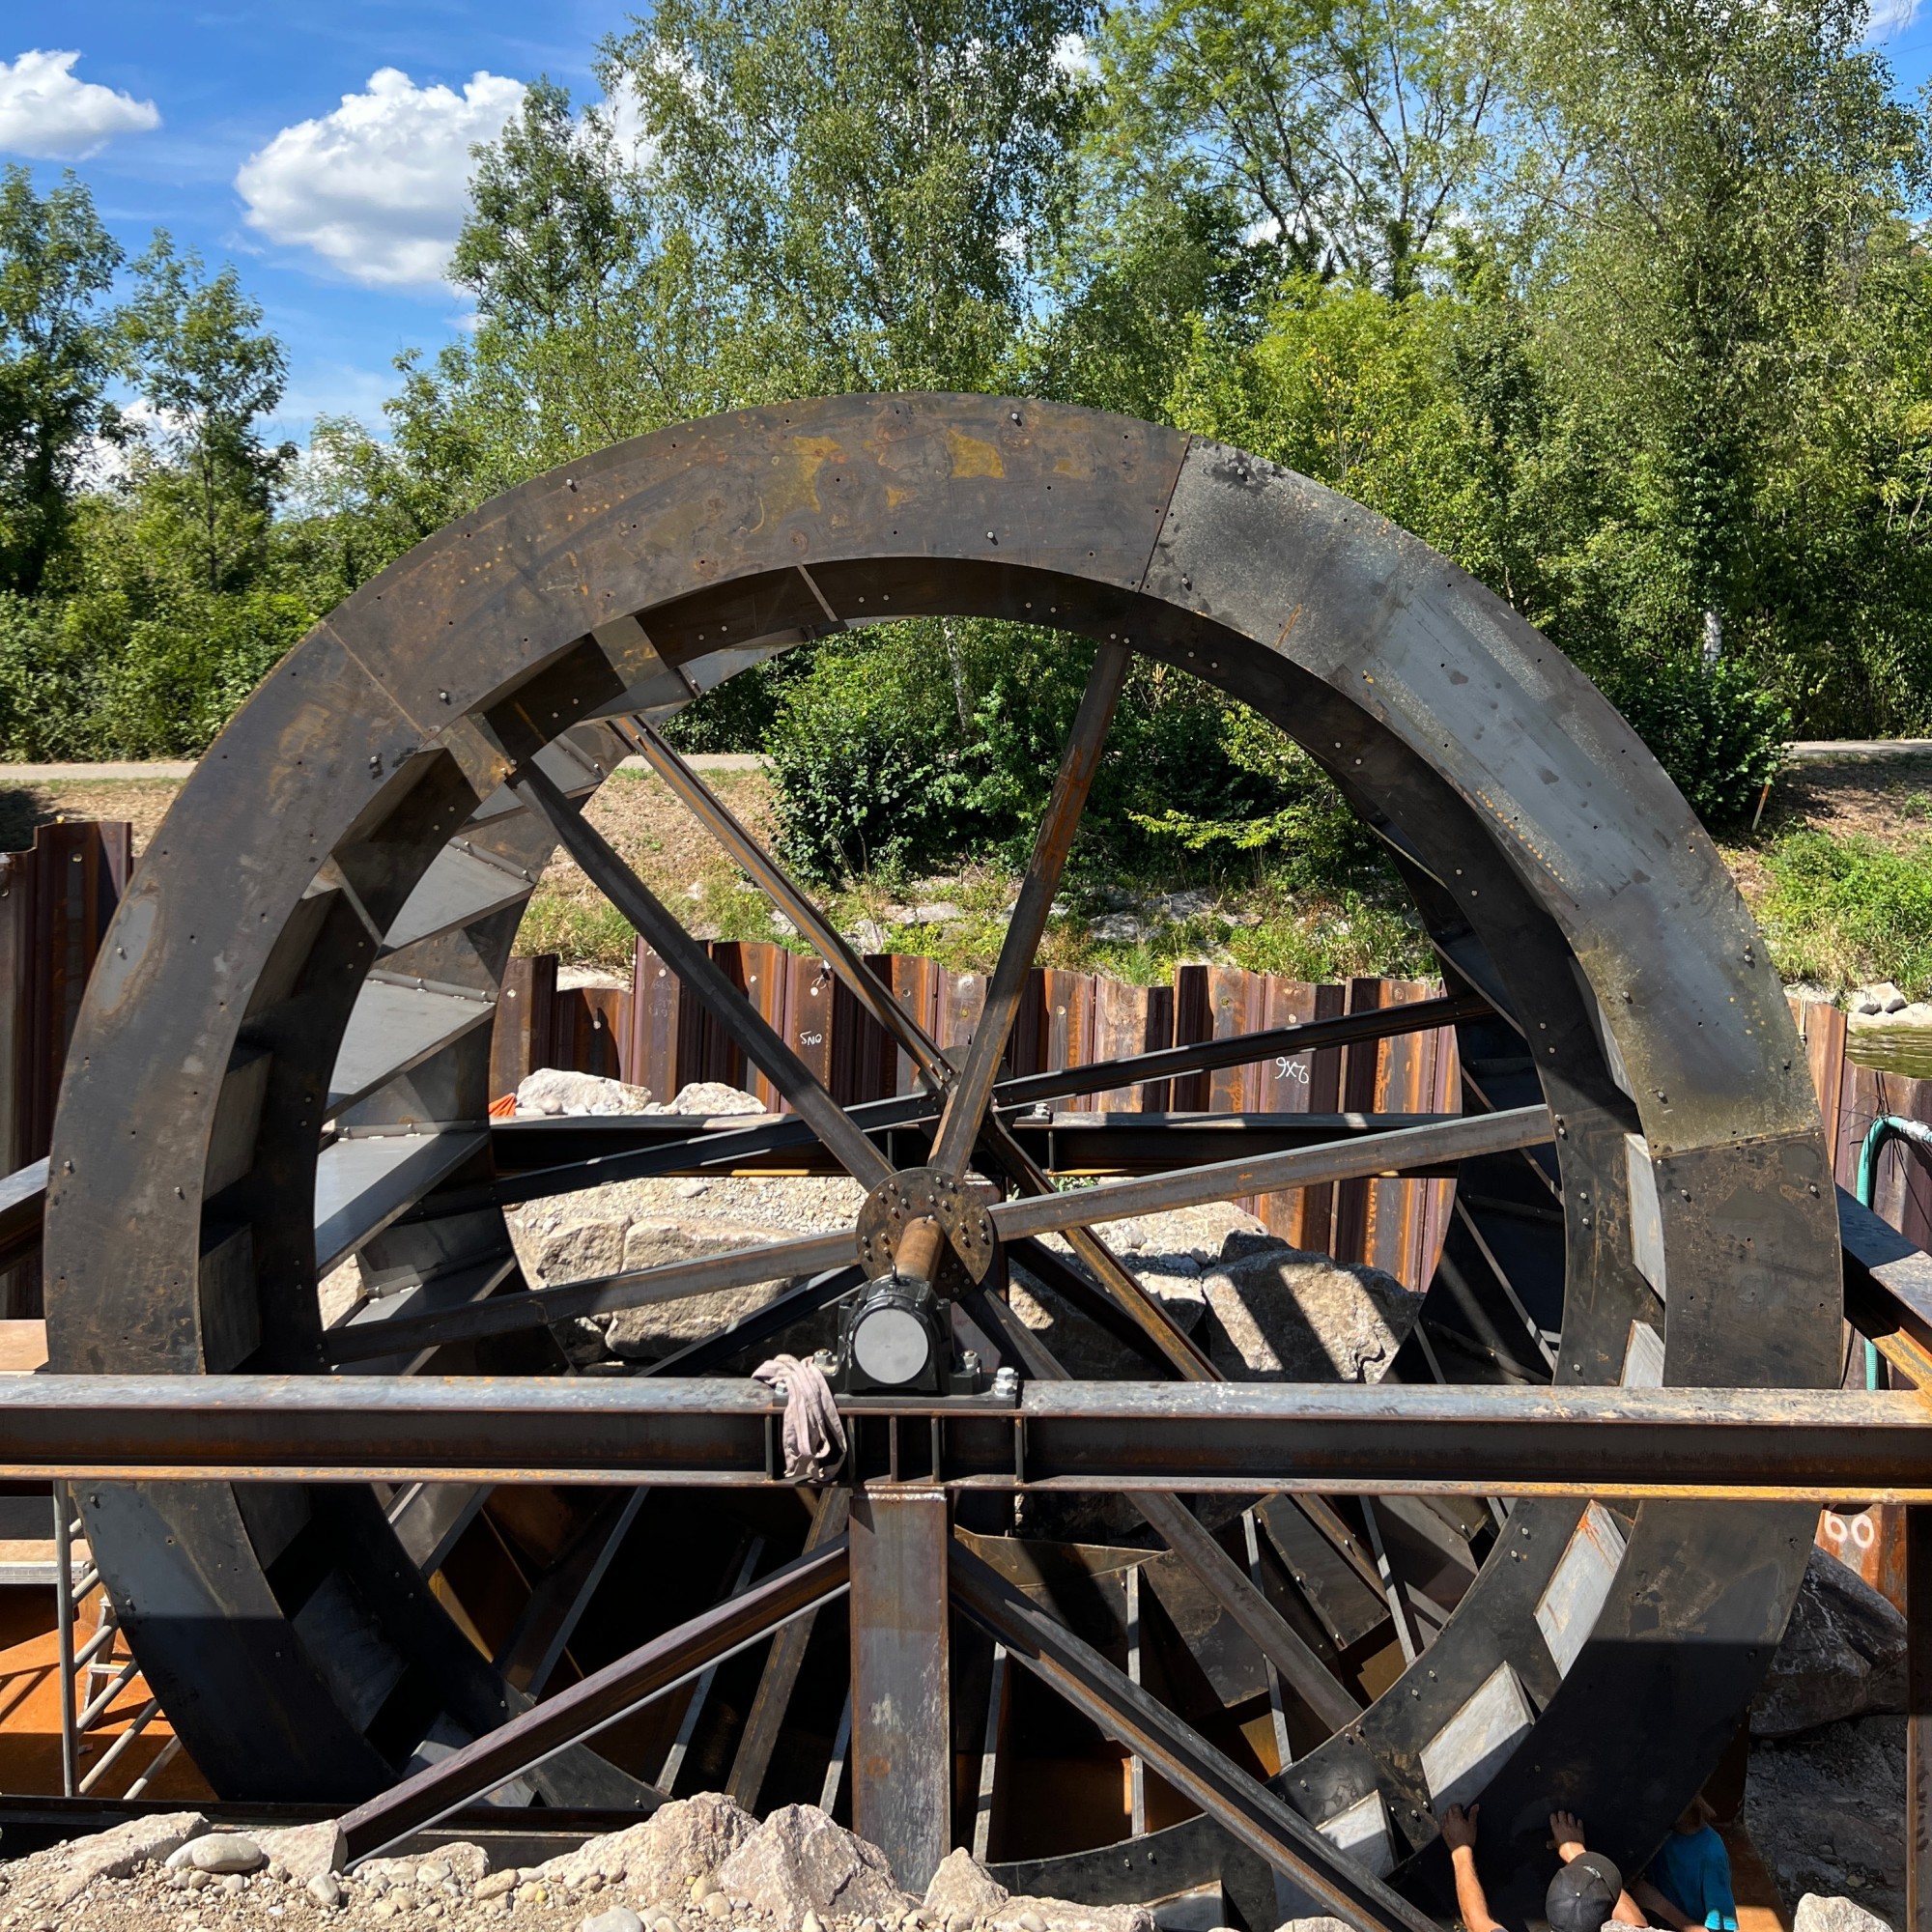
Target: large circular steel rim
(1554,864)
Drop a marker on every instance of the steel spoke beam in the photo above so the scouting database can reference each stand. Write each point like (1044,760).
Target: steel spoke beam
(1462,1439)
(779,1677)
(557,1602)
(599,1700)
(1178,1526)
(859,978)
(1240,1803)
(972,1094)
(687,957)
(604,1295)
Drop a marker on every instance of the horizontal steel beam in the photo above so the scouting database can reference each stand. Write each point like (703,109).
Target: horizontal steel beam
(719,1144)
(1446,1138)
(1321,1438)
(1060,1142)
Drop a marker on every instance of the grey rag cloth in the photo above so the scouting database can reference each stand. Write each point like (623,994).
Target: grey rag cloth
(814,1437)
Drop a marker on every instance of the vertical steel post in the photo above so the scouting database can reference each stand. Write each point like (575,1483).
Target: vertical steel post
(1918,1717)
(63,1611)
(902,1705)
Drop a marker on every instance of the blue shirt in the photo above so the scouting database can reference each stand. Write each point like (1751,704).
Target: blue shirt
(1693,1872)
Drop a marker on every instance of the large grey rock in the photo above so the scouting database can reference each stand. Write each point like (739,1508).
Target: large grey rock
(1843,1655)
(962,1889)
(304,1850)
(1314,1925)
(709,1097)
(581,1252)
(1023,1913)
(553,1091)
(1278,1314)
(681,1841)
(1834,1914)
(51,1878)
(799,1860)
(1823,1810)
(618,1919)
(962,1884)
(643,1334)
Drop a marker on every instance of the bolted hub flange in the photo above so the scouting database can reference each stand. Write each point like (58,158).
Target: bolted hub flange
(920,1194)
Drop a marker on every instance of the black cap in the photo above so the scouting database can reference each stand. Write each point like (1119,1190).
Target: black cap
(1583,1894)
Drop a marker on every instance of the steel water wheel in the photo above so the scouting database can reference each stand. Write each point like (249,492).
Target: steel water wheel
(282,1062)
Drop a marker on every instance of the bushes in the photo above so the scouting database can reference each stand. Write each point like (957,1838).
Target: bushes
(865,778)
(98,674)
(1715,730)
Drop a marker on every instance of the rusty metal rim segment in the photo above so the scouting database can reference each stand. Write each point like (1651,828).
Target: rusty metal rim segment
(319,930)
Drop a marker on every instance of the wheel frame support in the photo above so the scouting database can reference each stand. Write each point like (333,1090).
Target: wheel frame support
(902,1749)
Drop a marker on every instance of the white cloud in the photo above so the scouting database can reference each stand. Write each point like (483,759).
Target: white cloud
(47,113)
(378,187)
(1884,19)
(1074,58)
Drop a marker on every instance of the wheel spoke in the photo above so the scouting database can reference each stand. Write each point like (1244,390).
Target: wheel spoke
(858,978)
(746,1027)
(1245,1807)
(967,1105)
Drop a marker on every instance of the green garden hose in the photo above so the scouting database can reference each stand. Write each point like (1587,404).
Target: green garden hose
(1885,1129)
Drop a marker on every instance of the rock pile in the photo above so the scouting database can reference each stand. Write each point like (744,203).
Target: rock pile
(700,1864)
(1825,1793)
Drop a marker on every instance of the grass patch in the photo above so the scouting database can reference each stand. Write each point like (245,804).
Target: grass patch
(1842,912)
(581,933)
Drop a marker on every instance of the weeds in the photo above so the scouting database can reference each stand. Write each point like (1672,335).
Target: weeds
(1843,912)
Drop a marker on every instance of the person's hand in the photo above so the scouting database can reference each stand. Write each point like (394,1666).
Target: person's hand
(1566,1834)
(1458,1828)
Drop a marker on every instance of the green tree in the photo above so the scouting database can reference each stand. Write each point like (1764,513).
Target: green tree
(209,373)
(1347,131)
(57,262)
(869,184)
(1729,299)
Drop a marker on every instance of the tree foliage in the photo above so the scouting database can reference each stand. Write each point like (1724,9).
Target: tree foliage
(1623,305)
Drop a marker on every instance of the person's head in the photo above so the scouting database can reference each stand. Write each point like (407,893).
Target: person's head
(1583,1893)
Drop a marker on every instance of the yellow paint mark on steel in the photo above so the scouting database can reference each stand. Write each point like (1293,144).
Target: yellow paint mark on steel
(974,456)
(793,489)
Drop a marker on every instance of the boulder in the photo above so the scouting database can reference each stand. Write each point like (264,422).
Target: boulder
(1023,1914)
(305,1851)
(963,1885)
(679,1842)
(469,1864)
(708,1098)
(964,1890)
(1314,1925)
(49,1878)
(660,1327)
(1822,1810)
(799,1860)
(1277,1314)
(553,1091)
(1834,1914)
(1842,1656)
(582,1251)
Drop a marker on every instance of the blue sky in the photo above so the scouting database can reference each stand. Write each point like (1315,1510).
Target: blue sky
(228,126)
(322,145)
